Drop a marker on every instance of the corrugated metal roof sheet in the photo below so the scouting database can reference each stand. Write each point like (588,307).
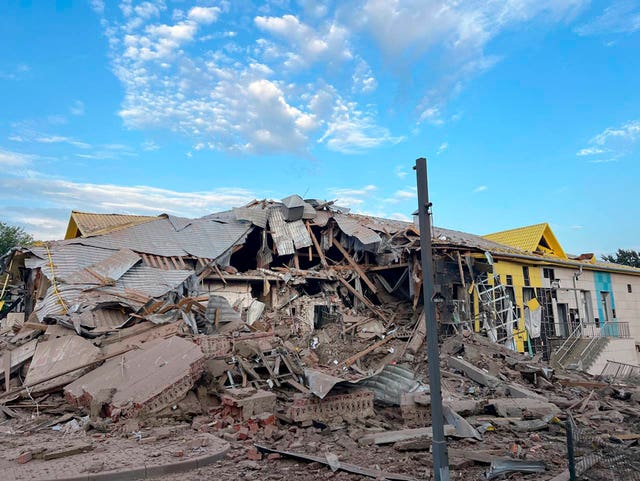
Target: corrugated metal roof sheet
(280,233)
(257,214)
(91,223)
(322,217)
(299,234)
(201,238)
(353,226)
(152,282)
(179,223)
(464,239)
(109,269)
(67,258)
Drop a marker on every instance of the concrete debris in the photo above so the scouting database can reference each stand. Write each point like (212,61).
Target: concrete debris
(288,329)
(244,403)
(146,380)
(335,465)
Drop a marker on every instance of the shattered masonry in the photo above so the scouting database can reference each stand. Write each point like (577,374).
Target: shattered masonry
(299,312)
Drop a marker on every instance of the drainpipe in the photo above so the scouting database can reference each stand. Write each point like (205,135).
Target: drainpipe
(576,275)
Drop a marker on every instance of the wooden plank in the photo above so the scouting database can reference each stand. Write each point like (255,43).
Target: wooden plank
(323,259)
(585,384)
(36,325)
(70,451)
(219,272)
(361,297)
(347,362)
(297,385)
(481,457)
(355,265)
(388,437)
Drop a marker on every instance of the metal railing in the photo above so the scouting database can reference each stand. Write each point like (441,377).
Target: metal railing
(617,329)
(616,371)
(601,456)
(565,349)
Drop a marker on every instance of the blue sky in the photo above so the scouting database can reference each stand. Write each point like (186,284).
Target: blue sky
(528,110)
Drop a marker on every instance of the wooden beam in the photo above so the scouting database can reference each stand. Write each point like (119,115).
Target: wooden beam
(323,259)
(347,362)
(390,266)
(364,300)
(355,265)
(464,283)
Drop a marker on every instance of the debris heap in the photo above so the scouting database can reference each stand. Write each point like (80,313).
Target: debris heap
(285,329)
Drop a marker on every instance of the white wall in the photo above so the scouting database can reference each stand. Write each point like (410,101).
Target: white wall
(627,303)
(620,350)
(566,294)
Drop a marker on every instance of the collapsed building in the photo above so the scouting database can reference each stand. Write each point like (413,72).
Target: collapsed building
(131,315)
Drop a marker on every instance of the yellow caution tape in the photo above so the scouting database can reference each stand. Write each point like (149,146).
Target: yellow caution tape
(54,283)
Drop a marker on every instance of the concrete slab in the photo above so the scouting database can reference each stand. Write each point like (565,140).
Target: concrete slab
(59,355)
(508,407)
(147,380)
(473,372)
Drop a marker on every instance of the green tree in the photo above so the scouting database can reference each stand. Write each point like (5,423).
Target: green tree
(627,257)
(11,236)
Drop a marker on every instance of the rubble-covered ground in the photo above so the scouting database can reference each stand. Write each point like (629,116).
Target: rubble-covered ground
(274,341)
(524,429)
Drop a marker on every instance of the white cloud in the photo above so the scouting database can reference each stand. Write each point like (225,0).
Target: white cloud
(60,139)
(13,159)
(621,17)
(304,44)
(181,71)
(480,188)
(149,146)
(363,78)
(204,15)
(431,115)
(353,197)
(97,6)
(15,73)
(615,142)
(408,193)
(351,131)
(401,171)
(443,146)
(25,132)
(590,151)
(77,108)
(408,31)
(627,132)
(603,161)
(63,196)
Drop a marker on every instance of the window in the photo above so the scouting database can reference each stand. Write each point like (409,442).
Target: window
(549,274)
(629,290)
(510,280)
(525,274)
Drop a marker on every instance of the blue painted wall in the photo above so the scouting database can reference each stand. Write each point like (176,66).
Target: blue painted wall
(602,281)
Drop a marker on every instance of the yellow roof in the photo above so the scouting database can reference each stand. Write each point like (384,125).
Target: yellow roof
(537,238)
(84,224)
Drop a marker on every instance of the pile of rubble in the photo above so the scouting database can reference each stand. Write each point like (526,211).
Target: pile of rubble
(285,329)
